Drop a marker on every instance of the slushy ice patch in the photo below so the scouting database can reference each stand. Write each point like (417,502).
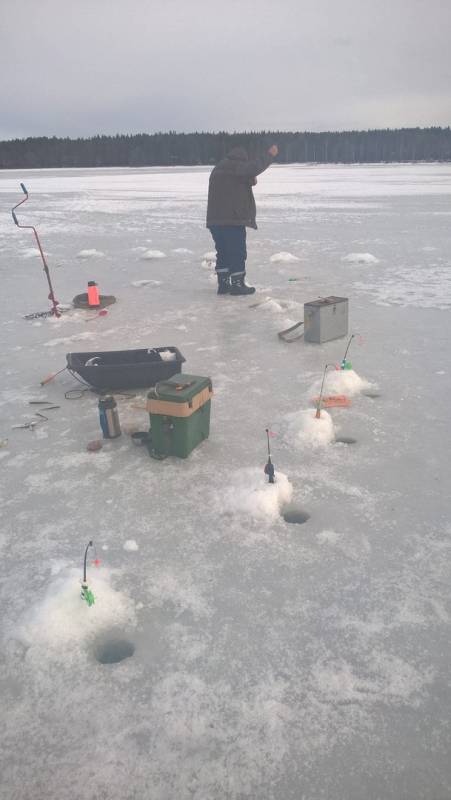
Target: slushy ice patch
(306,429)
(60,625)
(249,494)
(416,286)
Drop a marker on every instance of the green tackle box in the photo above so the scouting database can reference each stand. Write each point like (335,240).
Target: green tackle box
(179,410)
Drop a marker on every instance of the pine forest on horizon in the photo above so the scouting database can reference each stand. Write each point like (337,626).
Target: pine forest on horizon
(191,149)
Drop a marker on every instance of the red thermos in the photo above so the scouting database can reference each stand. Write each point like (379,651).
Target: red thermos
(93,294)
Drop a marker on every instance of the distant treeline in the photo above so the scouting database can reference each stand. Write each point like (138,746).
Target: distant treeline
(162,149)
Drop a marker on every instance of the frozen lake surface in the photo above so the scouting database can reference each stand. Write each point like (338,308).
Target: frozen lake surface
(267,660)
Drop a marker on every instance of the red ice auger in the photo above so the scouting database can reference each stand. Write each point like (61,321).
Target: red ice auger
(54,310)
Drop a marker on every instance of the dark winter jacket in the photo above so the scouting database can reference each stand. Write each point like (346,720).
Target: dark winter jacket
(230,197)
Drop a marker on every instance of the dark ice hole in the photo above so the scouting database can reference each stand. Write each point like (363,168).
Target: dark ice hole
(345,440)
(112,651)
(371,394)
(295,516)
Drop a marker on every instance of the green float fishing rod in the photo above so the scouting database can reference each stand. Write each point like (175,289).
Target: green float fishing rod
(347,364)
(86,593)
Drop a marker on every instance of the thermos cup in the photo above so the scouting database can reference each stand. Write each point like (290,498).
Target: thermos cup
(109,417)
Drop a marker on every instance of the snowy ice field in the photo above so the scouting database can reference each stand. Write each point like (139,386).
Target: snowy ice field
(272,661)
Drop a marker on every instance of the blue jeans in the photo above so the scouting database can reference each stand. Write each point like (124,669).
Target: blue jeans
(231,254)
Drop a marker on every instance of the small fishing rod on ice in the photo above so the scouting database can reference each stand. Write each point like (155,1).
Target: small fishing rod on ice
(347,364)
(86,593)
(320,398)
(269,466)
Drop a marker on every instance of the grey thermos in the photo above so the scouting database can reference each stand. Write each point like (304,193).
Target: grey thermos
(109,417)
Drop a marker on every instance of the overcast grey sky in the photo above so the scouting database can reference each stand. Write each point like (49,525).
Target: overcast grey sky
(80,67)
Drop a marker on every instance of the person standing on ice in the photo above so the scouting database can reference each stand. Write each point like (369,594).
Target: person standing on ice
(231,209)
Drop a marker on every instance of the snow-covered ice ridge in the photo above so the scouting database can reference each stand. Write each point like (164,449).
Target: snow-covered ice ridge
(271,660)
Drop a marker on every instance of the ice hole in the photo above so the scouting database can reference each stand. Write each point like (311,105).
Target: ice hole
(295,516)
(345,440)
(111,651)
(371,394)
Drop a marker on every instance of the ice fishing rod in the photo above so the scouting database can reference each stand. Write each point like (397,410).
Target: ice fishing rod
(86,593)
(347,364)
(318,405)
(269,466)
(55,311)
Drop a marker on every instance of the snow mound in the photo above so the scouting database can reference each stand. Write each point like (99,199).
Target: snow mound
(32,252)
(130,545)
(145,282)
(208,260)
(283,257)
(307,430)
(182,250)
(167,355)
(90,254)
(344,381)
(274,306)
(149,255)
(270,304)
(62,623)
(360,258)
(250,493)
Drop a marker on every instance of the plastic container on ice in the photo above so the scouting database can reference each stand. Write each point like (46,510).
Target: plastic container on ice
(93,295)
(179,410)
(126,369)
(325,319)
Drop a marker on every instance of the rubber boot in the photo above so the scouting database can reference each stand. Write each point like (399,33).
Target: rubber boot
(223,283)
(239,286)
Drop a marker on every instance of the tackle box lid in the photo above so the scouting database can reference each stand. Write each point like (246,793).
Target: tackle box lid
(326,301)
(181,388)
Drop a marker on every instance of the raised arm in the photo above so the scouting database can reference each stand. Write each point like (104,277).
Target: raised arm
(250,169)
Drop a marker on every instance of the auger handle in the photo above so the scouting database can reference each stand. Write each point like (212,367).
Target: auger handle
(13,211)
